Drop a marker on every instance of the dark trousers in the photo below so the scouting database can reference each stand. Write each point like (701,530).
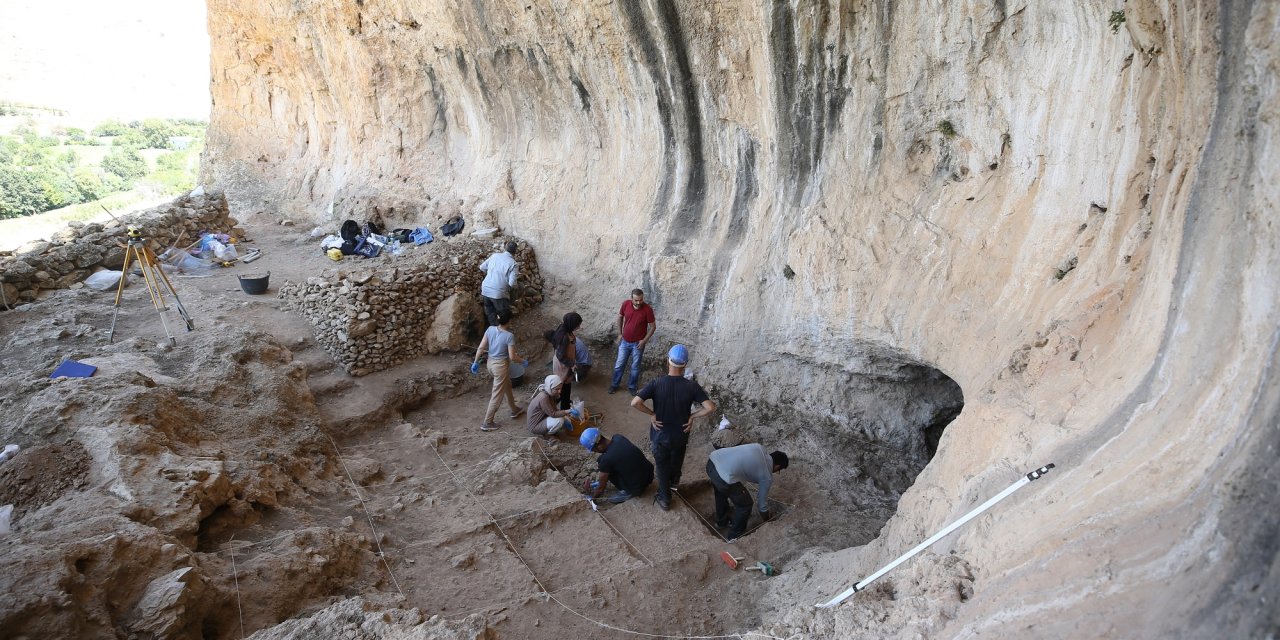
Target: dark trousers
(492,306)
(668,459)
(565,401)
(726,493)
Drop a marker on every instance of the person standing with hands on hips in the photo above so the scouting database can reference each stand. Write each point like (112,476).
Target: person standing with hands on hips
(501,345)
(672,419)
(635,326)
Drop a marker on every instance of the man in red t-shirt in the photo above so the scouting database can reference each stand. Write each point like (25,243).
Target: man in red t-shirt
(635,327)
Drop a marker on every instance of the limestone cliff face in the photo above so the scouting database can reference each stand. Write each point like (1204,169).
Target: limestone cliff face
(1078,226)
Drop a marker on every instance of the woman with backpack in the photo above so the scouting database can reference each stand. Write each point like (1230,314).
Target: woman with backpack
(565,361)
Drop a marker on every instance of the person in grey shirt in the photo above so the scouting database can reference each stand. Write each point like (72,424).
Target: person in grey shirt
(500,271)
(728,468)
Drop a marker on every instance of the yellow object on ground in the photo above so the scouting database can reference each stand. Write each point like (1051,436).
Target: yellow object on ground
(334,254)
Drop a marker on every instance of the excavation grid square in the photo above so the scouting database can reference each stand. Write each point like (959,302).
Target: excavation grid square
(398,460)
(471,572)
(569,548)
(424,512)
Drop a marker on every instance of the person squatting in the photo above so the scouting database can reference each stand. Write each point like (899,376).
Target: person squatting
(672,402)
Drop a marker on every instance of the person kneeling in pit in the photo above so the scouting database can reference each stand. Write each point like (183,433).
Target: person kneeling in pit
(620,463)
(728,468)
(544,418)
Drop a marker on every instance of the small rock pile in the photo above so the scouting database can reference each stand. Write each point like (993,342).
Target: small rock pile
(372,319)
(76,252)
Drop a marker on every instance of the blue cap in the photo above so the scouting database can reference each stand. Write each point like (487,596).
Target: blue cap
(588,438)
(678,355)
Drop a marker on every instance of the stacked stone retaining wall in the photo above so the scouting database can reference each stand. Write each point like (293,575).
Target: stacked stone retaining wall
(371,319)
(76,252)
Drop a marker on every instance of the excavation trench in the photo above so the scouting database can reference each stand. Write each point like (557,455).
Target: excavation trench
(454,521)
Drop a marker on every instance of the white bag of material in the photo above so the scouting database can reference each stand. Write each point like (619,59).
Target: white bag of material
(331,242)
(104,280)
(6,512)
(223,251)
(10,450)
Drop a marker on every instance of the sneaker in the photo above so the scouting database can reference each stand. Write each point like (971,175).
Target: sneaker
(488,426)
(663,503)
(632,391)
(620,497)
(613,390)
(518,412)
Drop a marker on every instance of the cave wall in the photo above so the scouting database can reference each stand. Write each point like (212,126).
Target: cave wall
(1077,225)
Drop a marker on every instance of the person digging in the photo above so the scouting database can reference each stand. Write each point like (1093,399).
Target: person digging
(728,468)
(620,462)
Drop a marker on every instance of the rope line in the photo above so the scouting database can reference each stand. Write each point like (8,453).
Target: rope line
(235,575)
(377,539)
(601,515)
(492,521)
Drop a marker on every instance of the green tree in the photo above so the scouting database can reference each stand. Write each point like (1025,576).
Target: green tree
(156,133)
(172,161)
(130,139)
(76,135)
(126,164)
(21,193)
(90,185)
(110,128)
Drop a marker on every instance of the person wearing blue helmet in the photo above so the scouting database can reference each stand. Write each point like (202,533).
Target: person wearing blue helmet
(671,419)
(620,462)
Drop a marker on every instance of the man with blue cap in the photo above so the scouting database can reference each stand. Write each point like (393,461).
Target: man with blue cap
(620,463)
(672,418)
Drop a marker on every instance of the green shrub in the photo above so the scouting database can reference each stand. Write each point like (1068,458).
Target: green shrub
(1116,21)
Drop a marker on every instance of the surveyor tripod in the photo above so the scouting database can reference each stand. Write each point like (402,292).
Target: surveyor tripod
(153,276)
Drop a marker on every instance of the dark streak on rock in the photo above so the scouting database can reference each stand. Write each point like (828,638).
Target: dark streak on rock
(746,187)
(437,94)
(810,91)
(678,112)
(583,97)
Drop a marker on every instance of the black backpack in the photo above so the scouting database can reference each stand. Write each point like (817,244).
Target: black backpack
(350,231)
(453,227)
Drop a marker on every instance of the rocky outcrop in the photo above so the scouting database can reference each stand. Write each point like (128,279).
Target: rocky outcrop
(372,319)
(75,253)
(1072,222)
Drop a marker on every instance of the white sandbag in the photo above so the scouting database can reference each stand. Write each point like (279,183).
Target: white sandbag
(104,280)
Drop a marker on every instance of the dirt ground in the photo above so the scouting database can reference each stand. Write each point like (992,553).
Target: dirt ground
(329,487)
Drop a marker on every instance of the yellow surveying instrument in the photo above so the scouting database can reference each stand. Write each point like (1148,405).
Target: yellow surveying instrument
(153,276)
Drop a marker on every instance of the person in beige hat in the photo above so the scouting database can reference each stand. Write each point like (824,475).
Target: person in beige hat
(544,418)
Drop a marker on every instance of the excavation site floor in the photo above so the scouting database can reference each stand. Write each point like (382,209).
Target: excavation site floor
(290,485)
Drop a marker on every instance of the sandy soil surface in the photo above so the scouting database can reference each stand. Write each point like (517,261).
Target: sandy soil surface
(383,486)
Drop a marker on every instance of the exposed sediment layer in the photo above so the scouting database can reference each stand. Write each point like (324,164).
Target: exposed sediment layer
(1074,223)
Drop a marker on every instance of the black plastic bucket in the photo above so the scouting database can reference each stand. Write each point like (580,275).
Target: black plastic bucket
(254,285)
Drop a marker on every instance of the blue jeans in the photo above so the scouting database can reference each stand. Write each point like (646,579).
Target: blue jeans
(634,352)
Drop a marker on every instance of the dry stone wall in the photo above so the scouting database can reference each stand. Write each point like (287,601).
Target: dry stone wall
(370,319)
(78,251)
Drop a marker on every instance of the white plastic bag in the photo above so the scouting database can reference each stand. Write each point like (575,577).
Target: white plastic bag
(104,280)
(223,251)
(6,512)
(10,450)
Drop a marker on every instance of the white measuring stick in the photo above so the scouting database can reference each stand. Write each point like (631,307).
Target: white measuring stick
(1024,481)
